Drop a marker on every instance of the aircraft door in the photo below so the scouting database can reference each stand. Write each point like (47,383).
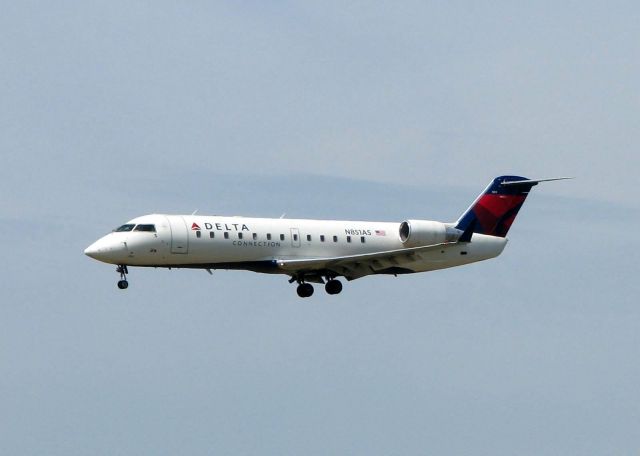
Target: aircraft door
(295,237)
(179,234)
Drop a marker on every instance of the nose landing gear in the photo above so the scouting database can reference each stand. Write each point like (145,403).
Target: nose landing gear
(122,283)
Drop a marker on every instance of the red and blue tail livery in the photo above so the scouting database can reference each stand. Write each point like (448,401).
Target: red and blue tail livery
(494,211)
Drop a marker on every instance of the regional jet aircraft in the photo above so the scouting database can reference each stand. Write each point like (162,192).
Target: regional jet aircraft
(317,251)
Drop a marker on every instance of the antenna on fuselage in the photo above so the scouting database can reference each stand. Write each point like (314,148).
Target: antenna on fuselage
(283,214)
(194,212)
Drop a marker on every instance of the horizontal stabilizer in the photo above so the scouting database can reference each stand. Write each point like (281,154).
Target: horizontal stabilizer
(534,181)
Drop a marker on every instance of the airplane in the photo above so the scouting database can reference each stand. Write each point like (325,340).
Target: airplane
(317,251)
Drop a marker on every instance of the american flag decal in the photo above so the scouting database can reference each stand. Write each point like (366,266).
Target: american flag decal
(381,233)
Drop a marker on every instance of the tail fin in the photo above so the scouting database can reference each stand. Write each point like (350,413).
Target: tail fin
(496,208)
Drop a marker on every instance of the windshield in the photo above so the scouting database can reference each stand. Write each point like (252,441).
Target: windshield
(124,228)
(151,228)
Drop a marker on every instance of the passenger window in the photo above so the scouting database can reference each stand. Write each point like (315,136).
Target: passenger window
(124,228)
(348,238)
(239,235)
(282,237)
(150,228)
(255,236)
(211,234)
(198,234)
(335,239)
(226,235)
(268,236)
(362,239)
(309,237)
(322,238)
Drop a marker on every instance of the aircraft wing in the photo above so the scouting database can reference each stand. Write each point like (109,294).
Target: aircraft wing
(356,266)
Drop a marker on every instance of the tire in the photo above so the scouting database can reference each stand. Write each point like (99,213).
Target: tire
(333,287)
(305,290)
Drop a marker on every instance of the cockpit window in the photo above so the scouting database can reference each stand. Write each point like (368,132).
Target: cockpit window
(151,228)
(124,228)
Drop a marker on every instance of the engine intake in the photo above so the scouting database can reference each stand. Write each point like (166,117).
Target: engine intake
(414,233)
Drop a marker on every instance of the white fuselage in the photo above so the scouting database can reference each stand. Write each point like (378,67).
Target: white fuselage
(196,241)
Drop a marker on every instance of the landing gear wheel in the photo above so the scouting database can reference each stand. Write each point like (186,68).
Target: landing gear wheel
(333,287)
(305,290)
(123,271)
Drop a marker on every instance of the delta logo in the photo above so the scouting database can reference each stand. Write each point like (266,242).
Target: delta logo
(220,226)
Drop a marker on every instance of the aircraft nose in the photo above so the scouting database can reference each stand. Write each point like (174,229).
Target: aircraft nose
(107,250)
(92,251)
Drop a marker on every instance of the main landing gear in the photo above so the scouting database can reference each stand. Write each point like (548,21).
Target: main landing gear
(333,286)
(305,289)
(122,283)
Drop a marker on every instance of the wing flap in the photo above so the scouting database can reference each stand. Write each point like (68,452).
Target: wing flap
(356,266)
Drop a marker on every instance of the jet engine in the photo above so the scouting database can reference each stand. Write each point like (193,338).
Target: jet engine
(414,233)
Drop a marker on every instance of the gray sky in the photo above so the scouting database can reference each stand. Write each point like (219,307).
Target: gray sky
(368,111)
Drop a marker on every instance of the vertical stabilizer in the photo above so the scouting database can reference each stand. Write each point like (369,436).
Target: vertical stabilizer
(494,211)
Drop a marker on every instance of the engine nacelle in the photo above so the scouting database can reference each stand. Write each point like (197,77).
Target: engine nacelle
(414,233)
